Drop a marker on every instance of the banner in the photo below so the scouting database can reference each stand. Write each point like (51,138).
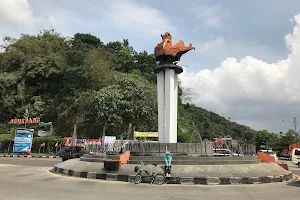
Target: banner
(145,134)
(92,141)
(81,142)
(23,140)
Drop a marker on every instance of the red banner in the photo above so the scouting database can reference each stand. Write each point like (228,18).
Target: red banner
(93,141)
(218,141)
(80,142)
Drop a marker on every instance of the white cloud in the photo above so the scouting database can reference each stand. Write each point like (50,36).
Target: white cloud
(221,48)
(130,19)
(16,12)
(251,89)
(131,15)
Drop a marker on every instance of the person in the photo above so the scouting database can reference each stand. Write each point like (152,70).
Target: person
(168,164)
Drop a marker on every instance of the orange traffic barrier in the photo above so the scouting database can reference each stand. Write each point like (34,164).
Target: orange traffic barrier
(284,166)
(265,157)
(123,158)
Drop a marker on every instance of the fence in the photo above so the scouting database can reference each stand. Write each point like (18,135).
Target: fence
(206,148)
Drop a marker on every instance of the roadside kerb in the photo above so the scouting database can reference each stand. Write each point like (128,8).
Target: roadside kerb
(179,180)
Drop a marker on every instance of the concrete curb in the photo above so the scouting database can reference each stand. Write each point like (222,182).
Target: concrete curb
(180,180)
(24,156)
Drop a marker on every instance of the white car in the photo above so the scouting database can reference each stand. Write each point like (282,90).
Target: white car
(224,152)
(271,153)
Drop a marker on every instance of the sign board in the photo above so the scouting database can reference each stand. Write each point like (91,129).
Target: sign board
(23,140)
(109,139)
(145,134)
(43,133)
(45,124)
(25,121)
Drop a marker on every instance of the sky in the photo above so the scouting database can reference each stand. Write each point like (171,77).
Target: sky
(246,65)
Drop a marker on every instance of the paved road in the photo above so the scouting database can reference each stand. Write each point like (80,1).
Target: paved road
(29,182)
(293,168)
(45,162)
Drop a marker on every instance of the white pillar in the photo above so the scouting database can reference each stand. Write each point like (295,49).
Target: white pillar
(175,110)
(167,93)
(161,105)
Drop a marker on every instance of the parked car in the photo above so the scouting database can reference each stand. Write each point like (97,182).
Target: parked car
(296,156)
(67,153)
(269,152)
(224,152)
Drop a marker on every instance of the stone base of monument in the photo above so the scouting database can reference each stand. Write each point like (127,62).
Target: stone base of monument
(181,160)
(182,174)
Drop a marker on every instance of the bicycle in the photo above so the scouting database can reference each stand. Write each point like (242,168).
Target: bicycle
(157,178)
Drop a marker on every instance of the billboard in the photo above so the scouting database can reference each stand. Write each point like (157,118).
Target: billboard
(145,134)
(23,140)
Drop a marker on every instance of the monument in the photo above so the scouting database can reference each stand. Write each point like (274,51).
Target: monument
(199,166)
(167,69)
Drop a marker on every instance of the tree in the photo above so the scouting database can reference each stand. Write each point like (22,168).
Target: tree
(285,140)
(86,40)
(266,138)
(86,82)
(130,100)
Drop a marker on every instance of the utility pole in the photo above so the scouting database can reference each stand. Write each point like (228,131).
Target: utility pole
(26,116)
(295,123)
(74,136)
(103,138)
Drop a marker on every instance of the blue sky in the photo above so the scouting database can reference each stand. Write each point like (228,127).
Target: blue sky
(243,39)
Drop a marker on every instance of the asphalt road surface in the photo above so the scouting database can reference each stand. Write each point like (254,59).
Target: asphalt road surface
(43,162)
(31,181)
(293,168)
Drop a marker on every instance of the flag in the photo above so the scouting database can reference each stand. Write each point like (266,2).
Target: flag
(56,145)
(43,144)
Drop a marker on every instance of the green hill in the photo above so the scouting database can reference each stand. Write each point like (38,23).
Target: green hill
(86,82)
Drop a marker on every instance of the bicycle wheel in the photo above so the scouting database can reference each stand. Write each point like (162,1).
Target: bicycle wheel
(137,179)
(159,179)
